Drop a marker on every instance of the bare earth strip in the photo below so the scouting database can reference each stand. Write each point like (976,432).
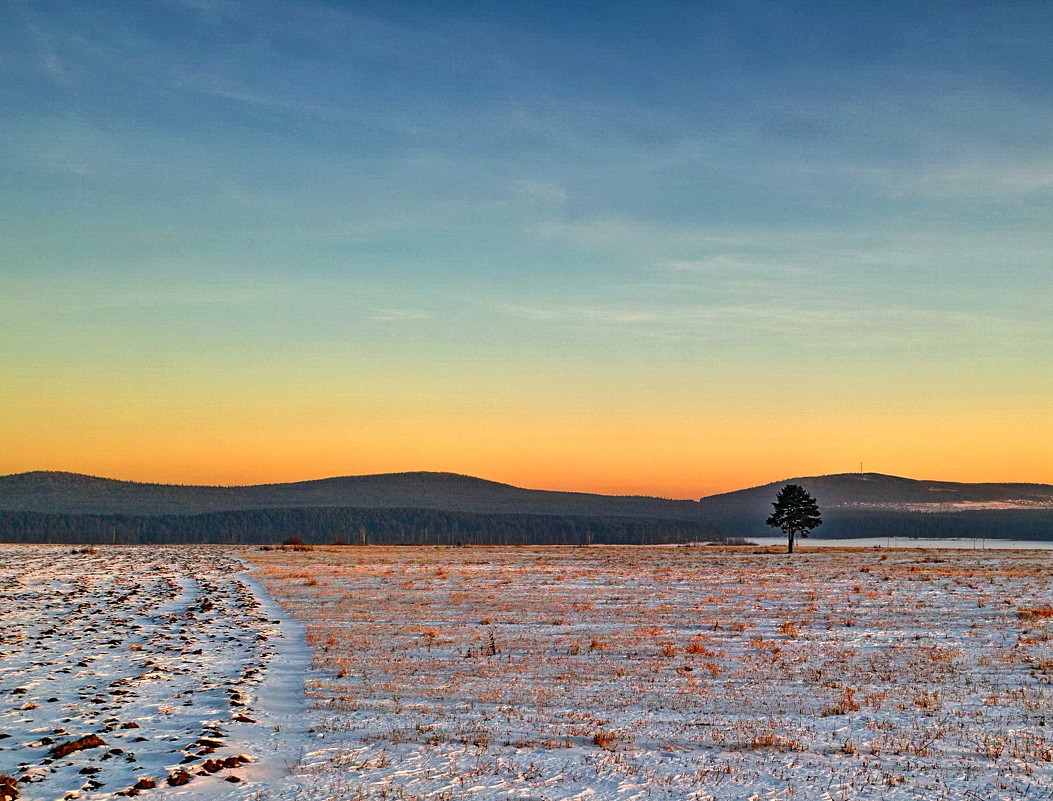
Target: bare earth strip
(628,673)
(124,668)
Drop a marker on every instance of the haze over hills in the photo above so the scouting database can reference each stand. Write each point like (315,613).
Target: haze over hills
(853,504)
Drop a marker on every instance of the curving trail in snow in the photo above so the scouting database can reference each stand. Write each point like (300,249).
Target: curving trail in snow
(154,671)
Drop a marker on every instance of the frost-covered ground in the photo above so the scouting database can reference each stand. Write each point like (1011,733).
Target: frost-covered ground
(942,543)
(696,673)
(519,673)
(167,660)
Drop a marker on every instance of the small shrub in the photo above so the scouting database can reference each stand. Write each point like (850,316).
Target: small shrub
(992,746)
(769,739)
(1035,613)
(697,646)
(846,704)
(927,700)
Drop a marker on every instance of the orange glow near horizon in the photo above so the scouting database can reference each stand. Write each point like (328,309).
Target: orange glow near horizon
(674,435)
(674,457)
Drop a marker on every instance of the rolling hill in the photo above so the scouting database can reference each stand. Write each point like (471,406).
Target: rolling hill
(72,493)
(874,504)
(861,491)
(853,504)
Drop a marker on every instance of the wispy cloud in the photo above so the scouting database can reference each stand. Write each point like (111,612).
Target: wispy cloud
(809,325)
(987,181)
(538,191)
(399,315)
(213,11)
(732,267)
(47,52)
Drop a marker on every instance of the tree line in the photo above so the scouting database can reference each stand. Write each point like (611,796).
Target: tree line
(352,526)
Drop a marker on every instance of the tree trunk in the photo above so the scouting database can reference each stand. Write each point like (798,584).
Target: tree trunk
(789,542)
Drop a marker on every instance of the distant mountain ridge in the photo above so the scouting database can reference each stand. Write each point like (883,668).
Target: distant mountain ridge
(877,490)
(852,504)
(73,493)
(879,505)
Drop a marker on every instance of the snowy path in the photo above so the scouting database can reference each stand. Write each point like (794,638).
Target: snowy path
(164,658)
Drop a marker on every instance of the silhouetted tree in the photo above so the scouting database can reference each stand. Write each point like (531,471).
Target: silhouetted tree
(796,513)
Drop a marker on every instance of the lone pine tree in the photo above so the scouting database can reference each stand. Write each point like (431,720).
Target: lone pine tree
(796,513)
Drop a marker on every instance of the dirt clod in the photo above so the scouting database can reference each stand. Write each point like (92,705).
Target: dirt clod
(8,788)
(179,778)
(80,744)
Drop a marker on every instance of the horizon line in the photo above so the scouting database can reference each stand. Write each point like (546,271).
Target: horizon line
(493,481)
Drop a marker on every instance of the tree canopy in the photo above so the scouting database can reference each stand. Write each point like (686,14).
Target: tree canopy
(796,513)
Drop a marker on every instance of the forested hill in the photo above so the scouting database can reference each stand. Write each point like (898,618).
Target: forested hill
(71,493)
(878,505)
(877,490)
(421,507)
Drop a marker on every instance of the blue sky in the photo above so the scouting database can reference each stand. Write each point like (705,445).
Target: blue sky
(594,212)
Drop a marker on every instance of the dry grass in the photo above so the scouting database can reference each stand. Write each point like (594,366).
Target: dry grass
(894,673)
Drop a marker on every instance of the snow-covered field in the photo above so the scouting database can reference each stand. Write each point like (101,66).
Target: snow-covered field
(943,543)
(122,668)
(529,673)
(697,673)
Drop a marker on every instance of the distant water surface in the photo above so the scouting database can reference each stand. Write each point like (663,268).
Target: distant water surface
(908,542)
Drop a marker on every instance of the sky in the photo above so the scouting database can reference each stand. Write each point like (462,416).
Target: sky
(669,248)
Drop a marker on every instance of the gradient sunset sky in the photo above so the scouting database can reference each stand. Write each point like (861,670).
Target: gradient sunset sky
(670,248)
